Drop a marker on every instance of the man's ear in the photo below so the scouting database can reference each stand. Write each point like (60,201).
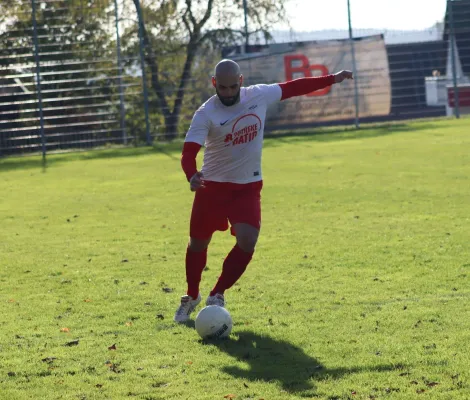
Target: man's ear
(241,80)
(214,82)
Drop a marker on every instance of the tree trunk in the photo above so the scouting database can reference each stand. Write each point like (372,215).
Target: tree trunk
(151,60)
(171,122)
(171,126)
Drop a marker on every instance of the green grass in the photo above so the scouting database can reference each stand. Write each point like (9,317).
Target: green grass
(359,288)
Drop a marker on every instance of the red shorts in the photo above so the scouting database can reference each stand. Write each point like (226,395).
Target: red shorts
(221,203)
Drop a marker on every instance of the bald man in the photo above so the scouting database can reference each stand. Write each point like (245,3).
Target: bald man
(228,188)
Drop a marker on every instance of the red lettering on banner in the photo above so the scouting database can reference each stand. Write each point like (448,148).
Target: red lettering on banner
(306,70)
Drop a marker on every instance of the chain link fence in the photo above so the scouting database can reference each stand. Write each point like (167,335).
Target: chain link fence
(82,74)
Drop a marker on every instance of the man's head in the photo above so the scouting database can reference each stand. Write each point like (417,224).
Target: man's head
(227,81)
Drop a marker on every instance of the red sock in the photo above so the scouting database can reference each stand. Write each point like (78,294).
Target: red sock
(234,266)
(195,263)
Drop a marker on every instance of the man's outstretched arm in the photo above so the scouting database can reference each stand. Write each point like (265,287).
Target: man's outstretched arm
(303,86)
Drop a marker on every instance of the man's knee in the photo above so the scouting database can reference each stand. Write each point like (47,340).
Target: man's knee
(198,245)
(247,243)
(247,237)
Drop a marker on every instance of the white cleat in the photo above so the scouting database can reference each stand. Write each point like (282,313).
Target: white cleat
(216,300)
(187,306)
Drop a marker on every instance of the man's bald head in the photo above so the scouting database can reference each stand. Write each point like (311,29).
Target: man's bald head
(227,81)
(226,68)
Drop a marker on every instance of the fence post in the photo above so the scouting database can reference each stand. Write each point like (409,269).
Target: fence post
(142,65)
(119,60)
(245,14)
(453,44)
(38,81)
(353,54)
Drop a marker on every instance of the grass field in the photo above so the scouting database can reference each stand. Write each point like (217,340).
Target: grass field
(359,287)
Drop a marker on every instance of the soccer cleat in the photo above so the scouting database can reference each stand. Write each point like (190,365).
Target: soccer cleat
(216,300)
(187,306)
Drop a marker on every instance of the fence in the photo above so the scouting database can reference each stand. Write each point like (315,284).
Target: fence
(61,80)
(78,74)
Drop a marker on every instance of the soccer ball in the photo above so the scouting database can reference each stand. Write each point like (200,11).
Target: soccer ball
(213,322)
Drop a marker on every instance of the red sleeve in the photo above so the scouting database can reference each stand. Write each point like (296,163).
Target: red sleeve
(188,158)
(302,86)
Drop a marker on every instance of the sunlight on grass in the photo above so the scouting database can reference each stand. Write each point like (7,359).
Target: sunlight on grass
(359,287)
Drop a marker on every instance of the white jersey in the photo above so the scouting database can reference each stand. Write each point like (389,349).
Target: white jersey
(233,135)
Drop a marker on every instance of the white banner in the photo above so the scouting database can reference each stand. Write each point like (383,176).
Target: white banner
(321,58)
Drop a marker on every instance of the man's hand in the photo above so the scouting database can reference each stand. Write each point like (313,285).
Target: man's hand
(342,75)
(196,182)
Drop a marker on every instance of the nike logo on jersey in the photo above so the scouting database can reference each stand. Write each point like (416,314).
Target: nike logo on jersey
(253,107)
(223,123)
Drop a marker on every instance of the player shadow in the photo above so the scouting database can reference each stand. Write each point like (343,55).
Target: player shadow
(273,360)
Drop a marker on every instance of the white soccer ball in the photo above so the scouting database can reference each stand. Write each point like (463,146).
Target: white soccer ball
(213,322)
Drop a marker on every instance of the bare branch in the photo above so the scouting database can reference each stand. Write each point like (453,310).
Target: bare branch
(207,15)
(190,12)
(256,15)
(221,35)
(186,23)
(215,34)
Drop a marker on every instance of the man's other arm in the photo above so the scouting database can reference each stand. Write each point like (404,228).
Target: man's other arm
(194,140)
(303,86)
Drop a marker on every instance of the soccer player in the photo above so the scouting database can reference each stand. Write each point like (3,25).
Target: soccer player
(228,188)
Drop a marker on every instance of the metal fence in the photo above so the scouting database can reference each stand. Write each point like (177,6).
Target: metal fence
(77,74)
(62,84)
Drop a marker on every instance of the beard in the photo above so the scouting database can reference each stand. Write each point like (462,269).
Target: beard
(228,101)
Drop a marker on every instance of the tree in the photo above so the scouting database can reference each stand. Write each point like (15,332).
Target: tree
(185,28)
(75,47)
